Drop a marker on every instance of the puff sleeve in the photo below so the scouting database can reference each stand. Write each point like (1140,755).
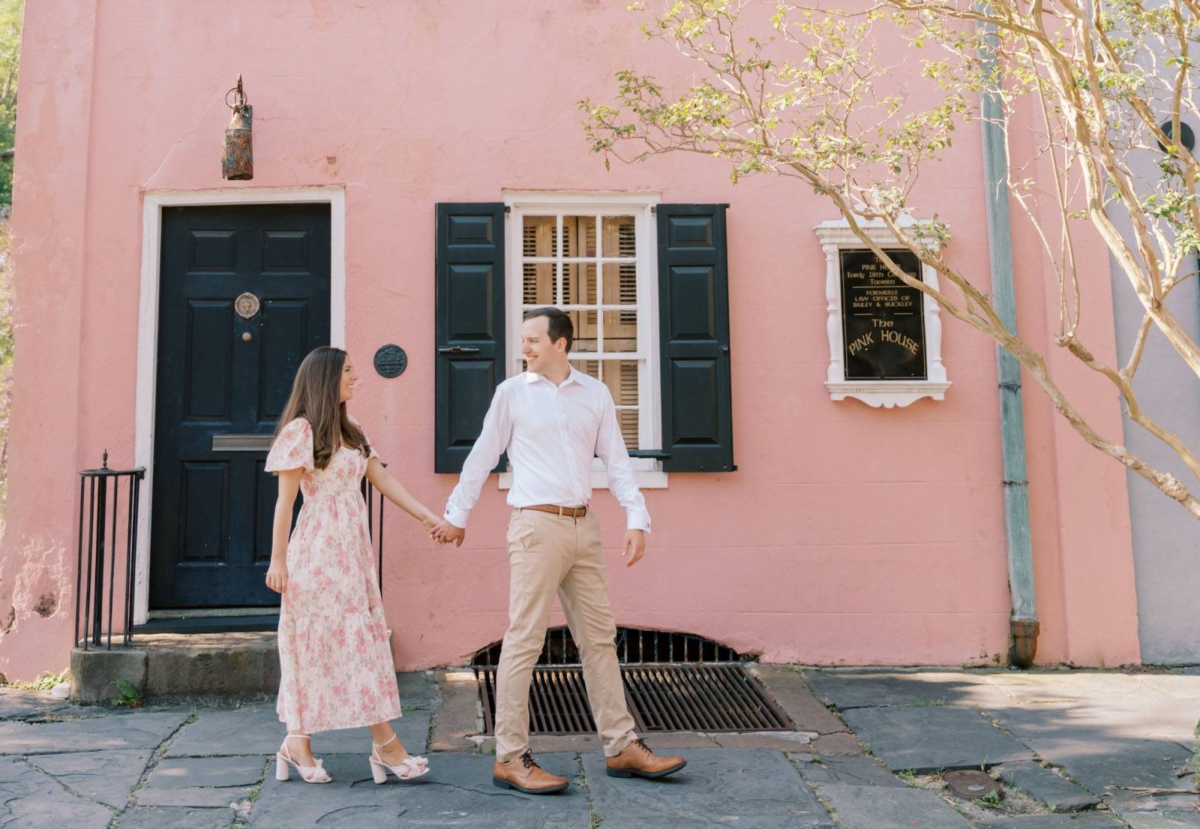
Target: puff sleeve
(293,448)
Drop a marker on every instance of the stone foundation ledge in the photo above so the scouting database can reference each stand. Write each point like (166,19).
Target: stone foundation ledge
(179,666)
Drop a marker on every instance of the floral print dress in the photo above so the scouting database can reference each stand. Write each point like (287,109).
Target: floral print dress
(334,657)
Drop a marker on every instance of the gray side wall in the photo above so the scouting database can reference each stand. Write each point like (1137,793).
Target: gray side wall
(1166,538)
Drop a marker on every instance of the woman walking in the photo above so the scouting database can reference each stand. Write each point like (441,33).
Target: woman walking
(335,660)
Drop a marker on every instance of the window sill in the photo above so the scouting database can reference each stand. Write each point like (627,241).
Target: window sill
(888,393)
(653,478)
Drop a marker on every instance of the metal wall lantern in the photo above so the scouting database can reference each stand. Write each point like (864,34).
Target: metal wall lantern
(237,160)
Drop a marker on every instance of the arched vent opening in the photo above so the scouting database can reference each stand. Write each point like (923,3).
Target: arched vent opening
(634,647)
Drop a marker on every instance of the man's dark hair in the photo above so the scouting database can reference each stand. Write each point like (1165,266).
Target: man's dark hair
(559,324)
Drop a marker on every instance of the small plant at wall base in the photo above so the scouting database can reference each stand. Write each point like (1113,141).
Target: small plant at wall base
(128,694)
(803,94)
(45,681)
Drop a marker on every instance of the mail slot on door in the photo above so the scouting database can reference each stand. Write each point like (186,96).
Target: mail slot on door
(242,443)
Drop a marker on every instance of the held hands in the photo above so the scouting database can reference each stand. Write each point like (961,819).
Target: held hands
(277,576)
(445,532)
(431,523)
(635,547)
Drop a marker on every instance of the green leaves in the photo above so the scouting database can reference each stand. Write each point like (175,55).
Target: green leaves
(12,13)
(803,92)
(128,694)
(812,94)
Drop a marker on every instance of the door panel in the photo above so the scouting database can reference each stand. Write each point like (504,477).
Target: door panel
(220,373)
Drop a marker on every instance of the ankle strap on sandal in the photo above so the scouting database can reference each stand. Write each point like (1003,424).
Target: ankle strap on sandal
(385,743)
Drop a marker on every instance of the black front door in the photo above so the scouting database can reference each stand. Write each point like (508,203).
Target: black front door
(244,296)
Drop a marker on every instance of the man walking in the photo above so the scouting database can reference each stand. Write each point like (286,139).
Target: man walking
(552,420)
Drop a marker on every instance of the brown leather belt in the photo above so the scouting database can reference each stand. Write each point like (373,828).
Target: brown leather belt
(566,512)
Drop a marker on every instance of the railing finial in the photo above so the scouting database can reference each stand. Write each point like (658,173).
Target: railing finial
(104,461)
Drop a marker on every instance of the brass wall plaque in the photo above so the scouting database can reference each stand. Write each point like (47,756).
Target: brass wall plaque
(246,305)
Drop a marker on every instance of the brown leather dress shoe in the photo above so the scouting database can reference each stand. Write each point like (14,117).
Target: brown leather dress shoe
(637,760)
(525,775)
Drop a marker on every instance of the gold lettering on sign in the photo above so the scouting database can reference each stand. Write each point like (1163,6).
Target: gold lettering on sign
(899,339)
(862,342)
(882,318)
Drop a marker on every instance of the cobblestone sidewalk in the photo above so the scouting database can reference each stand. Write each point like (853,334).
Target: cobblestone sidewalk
(1073,749)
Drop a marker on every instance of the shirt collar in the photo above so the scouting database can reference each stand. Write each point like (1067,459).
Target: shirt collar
(573,377)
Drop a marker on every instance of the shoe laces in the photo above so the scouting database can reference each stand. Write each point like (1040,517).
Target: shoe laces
(640,742)
(527,760)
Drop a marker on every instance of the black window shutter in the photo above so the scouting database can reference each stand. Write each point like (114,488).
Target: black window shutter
(693,279)
(470,325)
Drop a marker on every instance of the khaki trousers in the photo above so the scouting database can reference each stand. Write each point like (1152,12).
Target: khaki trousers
(548,553)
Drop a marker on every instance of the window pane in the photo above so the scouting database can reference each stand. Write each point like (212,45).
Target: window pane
(620,237)
(580,284)
(620,283)
(585,330)
(620,331)
(628,421)
(540,286)
(580,233)
(621,377)
(540,236)
(589,367)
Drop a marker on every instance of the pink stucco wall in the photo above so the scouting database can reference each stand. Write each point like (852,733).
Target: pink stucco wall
(849,535)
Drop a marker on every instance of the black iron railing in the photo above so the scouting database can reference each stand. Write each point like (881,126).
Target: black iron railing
(109,502)
(375,525)
(104,519)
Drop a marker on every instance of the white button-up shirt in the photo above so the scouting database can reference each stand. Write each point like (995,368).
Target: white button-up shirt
(551,434)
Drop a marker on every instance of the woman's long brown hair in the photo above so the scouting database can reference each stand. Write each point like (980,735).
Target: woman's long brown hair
(316,397)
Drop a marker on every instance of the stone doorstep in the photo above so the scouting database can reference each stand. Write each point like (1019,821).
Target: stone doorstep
(179,665)
(211,664)
(95,671)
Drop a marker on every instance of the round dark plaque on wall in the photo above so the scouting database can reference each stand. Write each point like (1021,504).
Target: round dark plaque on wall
(390,361)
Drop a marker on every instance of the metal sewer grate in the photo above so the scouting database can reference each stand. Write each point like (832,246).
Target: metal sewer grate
(661,698)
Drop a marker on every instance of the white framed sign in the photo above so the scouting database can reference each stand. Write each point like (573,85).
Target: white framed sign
(885,337)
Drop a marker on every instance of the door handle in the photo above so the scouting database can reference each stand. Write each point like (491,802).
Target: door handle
(242,443)
(457,349)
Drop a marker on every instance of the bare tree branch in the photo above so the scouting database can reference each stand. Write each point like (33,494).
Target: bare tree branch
(798,93)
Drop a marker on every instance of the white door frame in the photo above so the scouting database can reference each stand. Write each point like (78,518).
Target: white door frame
(147,338)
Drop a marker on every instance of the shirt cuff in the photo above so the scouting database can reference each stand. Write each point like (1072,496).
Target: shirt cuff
(638,520)
(457,517)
